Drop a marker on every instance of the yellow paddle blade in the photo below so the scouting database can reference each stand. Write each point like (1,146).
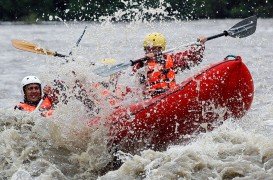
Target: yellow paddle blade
(108,61)
(31,47)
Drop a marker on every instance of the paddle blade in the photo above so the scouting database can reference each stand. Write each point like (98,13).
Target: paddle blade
(31,47)
(244,28)
(105,70)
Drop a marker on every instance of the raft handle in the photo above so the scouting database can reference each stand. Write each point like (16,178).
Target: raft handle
(230,56)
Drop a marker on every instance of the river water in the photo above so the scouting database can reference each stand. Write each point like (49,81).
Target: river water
(62,147)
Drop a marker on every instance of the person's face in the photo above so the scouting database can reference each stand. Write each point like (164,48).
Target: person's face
(153,49)
(33,92)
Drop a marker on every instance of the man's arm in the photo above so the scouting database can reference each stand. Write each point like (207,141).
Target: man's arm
(191,57)
(51,94)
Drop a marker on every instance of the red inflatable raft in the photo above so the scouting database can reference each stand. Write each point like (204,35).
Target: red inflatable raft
(222,91)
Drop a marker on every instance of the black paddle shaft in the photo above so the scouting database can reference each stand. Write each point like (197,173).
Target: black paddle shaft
(138,60)
(79,40)
(133,62)
(225,33)
(60,55)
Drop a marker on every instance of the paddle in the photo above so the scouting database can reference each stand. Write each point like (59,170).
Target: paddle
(106,70)
(31,47)
(79,40)
(242,29)
(39,104)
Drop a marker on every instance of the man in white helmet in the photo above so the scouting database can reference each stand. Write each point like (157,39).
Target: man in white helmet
(160,69)
(33,97)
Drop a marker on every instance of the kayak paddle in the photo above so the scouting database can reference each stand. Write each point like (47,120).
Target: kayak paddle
(105,70)
(244,28)
(31,47)
(79,40)
(39,104)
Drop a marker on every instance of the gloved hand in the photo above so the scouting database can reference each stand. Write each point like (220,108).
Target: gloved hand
(202,39)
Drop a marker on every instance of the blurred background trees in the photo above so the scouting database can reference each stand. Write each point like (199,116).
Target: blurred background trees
(127,10)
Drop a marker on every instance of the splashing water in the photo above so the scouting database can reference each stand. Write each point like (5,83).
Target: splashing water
(225,153)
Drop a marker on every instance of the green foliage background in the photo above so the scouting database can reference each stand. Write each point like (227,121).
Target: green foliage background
(94,10)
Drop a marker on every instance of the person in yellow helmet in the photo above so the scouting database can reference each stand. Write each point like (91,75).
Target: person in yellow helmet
(160,69)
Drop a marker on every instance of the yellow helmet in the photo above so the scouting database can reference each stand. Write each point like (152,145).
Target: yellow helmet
(155,39)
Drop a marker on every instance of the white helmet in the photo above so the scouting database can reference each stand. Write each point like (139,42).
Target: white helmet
(30,80)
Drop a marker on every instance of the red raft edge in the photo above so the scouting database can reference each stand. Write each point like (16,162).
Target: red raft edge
(223,90)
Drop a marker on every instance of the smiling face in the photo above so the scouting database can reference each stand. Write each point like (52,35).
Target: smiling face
(33,92)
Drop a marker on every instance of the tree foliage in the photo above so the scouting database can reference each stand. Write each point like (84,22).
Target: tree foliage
(122,10)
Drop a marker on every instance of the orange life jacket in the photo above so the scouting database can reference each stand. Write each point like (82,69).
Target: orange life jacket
(46,107)
(160,76)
